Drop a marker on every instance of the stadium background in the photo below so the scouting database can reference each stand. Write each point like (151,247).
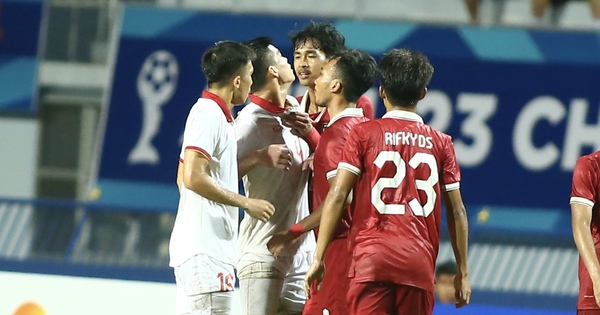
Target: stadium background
(87,194)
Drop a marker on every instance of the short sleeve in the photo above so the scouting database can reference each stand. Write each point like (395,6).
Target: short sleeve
(450,177)
(585,180)
(202,129)
(352,155)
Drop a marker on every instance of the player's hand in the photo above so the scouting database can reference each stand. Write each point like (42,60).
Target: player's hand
(300,122)
(259,209)
(279,242)
(308,164)
(277,156)
(314,275)
(462,290)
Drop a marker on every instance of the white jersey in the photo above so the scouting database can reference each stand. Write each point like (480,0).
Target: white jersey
(259,125)
(203,226)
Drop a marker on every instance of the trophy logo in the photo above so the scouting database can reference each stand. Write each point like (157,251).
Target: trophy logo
(156,84)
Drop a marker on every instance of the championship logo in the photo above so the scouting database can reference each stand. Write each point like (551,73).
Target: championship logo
(156,84)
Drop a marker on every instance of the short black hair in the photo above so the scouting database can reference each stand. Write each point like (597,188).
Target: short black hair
(404,75)
(446,268)
(264,59)
(224,60)
(324,36)
(357,70)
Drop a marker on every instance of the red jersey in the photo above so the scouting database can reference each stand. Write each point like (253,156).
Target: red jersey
(327,157)
(586,190)
(403,165)
(321,119)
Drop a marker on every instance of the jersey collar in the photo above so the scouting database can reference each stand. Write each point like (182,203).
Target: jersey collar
(304,101)
(266,105)
(348,112)
(402,114)
(220,102)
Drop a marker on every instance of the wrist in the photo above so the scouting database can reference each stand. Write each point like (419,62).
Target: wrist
(317,260)
(260,156)
(296,230)
(307,131)
(312,138)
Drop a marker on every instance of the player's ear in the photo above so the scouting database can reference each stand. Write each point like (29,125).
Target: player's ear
(423,93)
(236,81)
(273,71)
(337,86)
(382,93)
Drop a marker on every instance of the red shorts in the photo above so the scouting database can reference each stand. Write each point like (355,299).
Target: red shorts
(385,298)
(588,312)
(334,288)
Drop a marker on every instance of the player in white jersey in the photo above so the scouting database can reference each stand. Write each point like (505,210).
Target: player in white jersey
(203,242)
(269,285)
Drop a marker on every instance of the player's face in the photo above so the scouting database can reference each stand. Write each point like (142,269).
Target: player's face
(241,94)
(324,84)
(308,62)
(284,69)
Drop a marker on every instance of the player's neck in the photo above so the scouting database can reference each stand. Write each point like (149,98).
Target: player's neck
(390,107)
(273,93)
(225,93)
(338,105)
(312,106)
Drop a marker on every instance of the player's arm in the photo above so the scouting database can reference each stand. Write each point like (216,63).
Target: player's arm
(196,177)
(281,240)
(581,215)
(458,228)
(331,214)
(180,175)
(276,156)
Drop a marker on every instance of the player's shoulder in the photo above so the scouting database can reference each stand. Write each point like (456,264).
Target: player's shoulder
(248,110)
(363,100)
(365,126)
(439,133)
(206,107)
(351,121)
(591,160)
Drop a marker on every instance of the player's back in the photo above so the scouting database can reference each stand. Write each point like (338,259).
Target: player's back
(396,215)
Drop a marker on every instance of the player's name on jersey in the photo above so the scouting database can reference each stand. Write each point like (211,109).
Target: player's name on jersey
(408,138)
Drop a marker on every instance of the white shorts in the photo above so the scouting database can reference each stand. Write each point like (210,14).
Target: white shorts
(204,286)
(273,286)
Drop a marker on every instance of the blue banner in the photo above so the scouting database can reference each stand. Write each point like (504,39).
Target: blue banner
(20,26)
(521,105)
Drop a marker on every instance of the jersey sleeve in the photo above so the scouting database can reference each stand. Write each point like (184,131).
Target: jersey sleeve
(450,177)
(367,107)
(352,154)
(202,130)
(584,182)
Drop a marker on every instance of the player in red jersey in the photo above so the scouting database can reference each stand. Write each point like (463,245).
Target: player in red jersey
(402,168)
(344,78)
(585,210)
(313,47)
